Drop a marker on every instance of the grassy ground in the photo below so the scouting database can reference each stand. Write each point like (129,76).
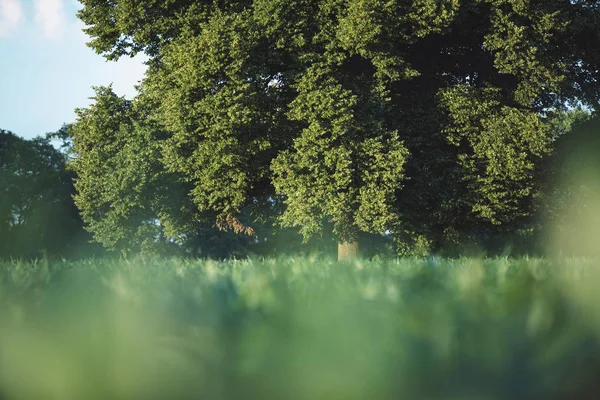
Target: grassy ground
(300,329)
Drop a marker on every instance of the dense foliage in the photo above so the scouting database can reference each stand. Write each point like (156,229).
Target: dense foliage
(300,329)
(37,213)
(425,120)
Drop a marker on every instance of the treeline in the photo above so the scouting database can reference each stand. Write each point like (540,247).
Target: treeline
(419,126)
(37,215)
(39,219)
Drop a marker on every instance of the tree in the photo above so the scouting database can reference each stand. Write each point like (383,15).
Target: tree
(572,186)
(37,214)
(426,119)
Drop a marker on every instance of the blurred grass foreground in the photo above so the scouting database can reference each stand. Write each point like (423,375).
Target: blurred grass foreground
(303,328)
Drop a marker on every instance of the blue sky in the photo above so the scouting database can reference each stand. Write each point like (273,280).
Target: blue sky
(46,70)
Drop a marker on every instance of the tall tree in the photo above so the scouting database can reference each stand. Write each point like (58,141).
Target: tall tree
(424,118)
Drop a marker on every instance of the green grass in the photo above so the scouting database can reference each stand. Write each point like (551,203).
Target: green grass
(300,328)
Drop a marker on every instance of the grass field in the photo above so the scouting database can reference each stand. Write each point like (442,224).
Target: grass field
(300,328)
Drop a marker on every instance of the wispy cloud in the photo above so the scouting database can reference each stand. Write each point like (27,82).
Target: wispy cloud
(11,14)
(51,16)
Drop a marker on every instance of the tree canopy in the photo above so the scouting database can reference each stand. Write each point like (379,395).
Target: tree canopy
(37,214)
(428,120)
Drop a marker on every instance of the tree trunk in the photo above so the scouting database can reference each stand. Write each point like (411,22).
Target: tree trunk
(347,250)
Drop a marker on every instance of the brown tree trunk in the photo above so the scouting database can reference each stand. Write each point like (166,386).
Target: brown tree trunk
(347,250)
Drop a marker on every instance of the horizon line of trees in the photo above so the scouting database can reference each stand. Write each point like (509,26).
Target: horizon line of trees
(38,216)
(428,125)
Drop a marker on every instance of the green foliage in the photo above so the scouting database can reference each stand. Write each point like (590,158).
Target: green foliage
(221,120)
(37,214)
(428,119)
(131,195)
(502,145)
(345,166)
(126,197)
(300,328)
(110,179)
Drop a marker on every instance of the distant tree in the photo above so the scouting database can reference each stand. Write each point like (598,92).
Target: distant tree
(37,213)
(422,119)
(571,208)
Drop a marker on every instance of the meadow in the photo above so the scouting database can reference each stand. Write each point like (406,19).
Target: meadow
(300,328)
